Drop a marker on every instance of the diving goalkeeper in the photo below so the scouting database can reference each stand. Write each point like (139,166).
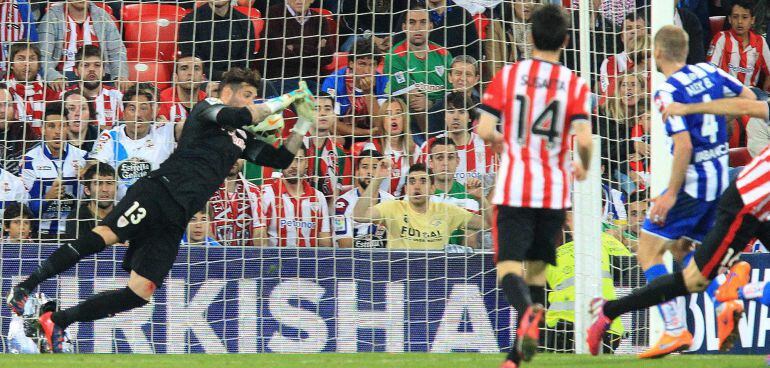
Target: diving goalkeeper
(156,209)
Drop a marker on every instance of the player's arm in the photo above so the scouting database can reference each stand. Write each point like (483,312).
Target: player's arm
(365,211)
(735,106)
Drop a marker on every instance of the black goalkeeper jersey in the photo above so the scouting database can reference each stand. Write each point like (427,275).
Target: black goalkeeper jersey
(205,153)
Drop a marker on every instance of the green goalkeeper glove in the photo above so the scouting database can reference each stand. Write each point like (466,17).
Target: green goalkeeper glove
(306,111)
(268,129)
(280,103)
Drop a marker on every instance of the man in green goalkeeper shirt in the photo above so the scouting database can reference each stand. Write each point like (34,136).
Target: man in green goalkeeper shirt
(417,67)
(443,161)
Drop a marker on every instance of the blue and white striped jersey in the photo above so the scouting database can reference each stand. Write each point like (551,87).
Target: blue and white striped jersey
(11,190)
(706,176)
(39,170)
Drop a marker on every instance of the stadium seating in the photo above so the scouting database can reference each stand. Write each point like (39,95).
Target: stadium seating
(152,71)
(717,24)
(152,26)
(739,156)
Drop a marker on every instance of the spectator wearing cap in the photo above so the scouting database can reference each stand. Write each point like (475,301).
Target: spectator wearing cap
(299,42)
(220,37)
(358,90)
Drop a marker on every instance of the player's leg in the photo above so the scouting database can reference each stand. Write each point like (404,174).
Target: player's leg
(510,252)
(760,290)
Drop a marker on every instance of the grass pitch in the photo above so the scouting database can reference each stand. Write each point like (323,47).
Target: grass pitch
(366,360)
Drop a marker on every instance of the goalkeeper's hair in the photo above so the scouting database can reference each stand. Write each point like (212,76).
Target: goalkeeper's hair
(549,27)
(87,51)
(235,76)
(22,45)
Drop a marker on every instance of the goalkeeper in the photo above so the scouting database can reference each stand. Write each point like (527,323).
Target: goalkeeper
(155,211)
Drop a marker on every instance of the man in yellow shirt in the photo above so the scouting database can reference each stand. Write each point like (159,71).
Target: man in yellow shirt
(415,223)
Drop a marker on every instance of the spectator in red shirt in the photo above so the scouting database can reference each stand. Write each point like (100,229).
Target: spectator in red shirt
(634,30)
(740,51)
(330,166)
(299,41)
(27,87)
(107,100)
(176,102)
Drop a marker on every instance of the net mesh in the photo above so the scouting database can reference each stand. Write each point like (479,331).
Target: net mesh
(282,279)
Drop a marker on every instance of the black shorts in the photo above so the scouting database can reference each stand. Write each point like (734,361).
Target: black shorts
(526,234)
(733,230)
(153,224)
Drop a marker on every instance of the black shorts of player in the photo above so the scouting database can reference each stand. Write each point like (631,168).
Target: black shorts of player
(733,229)
(526,234)
(153,224)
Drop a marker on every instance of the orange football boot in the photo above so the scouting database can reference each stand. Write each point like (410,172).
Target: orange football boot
(737,277)
(668,343)
(728,315)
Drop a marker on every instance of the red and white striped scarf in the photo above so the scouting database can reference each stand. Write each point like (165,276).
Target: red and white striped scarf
(30,98)
(76,35)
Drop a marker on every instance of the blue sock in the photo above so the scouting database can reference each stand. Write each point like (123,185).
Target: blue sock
(687,258)
(655,271)
(766,295)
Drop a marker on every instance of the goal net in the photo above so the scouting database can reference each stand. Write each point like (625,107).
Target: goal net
(275,262)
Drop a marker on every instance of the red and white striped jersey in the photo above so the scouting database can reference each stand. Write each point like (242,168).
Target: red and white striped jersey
(29,99)
(171,108)
(13,27)
(754,185)
(76,35)
(537,102)
(476,158)
(294,222)
(400,163)
(743,63)
(108,104)
(613,66)
(236,215)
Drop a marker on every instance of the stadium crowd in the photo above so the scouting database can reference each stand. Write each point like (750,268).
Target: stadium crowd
(95,95)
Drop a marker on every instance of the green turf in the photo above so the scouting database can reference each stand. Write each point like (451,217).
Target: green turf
(366,360)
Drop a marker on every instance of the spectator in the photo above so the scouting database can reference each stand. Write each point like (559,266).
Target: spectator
(359,18)
(476,159)
(640,135)
(521,27)
(198,231)
(560,315)
(636,213)
(28,89)
(358,90)
(417,68)
(757,136)
(236,215)
(700,9)
(395,144)
(329,166)
(176,102)
(347,232)
(98,199)
(614,125)
(21,21)
(453,28)
(605,36)
(415,223)
(67,27)
(299,42)
(740,51)
(613,10)
(443,165)
(636,41)
(17,223)
(50,173)
(690,23)
(220,37)
(78,115)
(13,190)
(16,137)
(296,213)
(137,146)
(89,68)
(464,76)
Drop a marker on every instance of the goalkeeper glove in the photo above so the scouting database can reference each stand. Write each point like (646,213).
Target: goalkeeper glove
(280,103)
(306,112)
(267,130)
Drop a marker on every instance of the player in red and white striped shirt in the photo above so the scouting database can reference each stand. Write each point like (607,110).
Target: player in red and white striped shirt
(743,214)
(296,214)
(176,102)
(27,88)
(539,102)
(476,158)
(89,67)
(740,51)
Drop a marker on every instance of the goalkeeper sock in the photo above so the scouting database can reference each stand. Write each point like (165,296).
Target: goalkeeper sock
(65,257)
(102,305)
(661,289)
